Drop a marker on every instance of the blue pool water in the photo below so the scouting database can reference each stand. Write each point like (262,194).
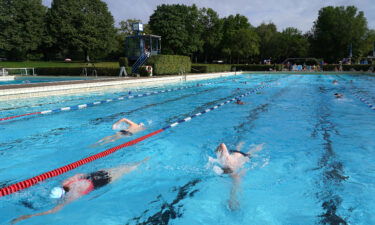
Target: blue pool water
(27,80)
(316,167)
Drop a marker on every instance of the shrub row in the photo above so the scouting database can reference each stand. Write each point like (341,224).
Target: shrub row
(210,68)
(257,67)
(66,71)
(169,64)
(354,67)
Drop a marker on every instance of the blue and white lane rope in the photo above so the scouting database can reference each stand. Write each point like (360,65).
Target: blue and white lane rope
(56,172)
(359,97)
(215,107)
(369,104)
(83,106)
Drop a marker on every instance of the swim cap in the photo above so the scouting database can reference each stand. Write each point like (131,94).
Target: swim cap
(57,192)
(141,124)
(121,126)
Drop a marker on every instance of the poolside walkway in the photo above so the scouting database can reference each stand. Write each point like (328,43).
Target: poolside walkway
(31,90)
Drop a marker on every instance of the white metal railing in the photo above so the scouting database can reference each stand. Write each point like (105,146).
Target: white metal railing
(17,71)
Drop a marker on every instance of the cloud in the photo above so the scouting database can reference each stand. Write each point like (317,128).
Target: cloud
(284,13)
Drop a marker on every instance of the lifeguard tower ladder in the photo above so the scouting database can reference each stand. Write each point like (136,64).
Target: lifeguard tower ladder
(139,47)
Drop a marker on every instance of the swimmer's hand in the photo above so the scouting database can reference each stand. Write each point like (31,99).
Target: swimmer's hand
(218,170)
(255,149)
(210,162)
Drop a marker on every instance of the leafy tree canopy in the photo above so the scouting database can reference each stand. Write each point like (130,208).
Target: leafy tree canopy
(291,44)
(21,26)
(337,28)
(85,25)
(179,27)
(213,31)
(268,36)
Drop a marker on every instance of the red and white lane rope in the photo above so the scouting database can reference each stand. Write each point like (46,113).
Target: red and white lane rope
(56,172)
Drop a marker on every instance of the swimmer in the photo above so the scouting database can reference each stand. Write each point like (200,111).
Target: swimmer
(132,129)
(231,162)
(338,95)
(82,184)
(335,82)
(239,102)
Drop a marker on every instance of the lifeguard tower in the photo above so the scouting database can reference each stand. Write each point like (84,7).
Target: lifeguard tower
(139,47)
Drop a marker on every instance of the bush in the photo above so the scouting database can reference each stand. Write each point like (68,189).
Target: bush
(69,71)
(355,67)
(257,67)
(169,64)
(143,72)
(330,67)
(210,68)
(123,61)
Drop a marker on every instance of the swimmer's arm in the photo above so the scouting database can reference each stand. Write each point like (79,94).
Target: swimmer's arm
(114,126)
(57,208)
(255,149)
(131,123)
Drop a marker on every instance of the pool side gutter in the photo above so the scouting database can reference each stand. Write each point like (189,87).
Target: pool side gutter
(32,90)
(6,78)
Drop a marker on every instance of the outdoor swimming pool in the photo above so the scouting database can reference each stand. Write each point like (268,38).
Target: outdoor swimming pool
(27,80)
(316,165)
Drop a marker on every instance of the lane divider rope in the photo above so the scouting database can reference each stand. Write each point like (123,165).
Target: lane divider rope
(82,106)
(53,173)
(359,97)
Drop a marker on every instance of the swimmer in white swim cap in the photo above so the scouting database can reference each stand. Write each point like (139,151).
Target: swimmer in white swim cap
(82,184)
(122,131)
(57,192)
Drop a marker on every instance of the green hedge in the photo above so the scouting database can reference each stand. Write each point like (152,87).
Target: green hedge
(143,72)
(169,64)
(66,71)
(257,67)
(355,67)
(123,61)
(330,67)
(210,68)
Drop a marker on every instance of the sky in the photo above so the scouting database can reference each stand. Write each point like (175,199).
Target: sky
(284,13)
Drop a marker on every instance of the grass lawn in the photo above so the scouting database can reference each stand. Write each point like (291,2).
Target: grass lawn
(40,64)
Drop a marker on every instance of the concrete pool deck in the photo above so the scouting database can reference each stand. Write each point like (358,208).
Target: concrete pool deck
(6,78)
(32,90)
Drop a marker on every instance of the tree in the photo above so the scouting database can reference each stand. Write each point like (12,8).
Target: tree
(290,43)
(179,27)
(369,43)
(337,28)
(126,26)
(127,30)
(84,25)
(21,26)
(231,25)
(212,35)
(245,43)
(268,36)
